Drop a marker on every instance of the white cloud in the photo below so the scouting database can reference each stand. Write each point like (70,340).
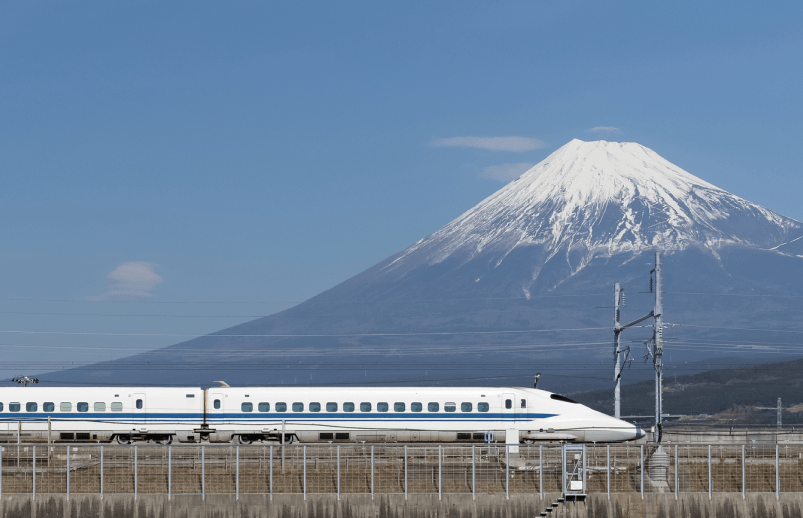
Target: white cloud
(131,280)
(514,144)
(505,172)
(604,129)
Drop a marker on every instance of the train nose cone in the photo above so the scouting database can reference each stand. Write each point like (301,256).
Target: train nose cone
(639,433)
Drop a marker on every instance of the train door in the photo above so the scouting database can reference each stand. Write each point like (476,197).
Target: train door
(215,407)
(521,409)
(508,407)
(140,409)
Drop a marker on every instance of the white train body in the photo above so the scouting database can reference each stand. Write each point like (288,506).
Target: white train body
(306,414)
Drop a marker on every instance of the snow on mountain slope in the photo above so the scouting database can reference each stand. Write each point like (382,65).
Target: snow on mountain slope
(598,199)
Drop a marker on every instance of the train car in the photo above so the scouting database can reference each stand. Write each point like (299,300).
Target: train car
(359,414)
(100,414)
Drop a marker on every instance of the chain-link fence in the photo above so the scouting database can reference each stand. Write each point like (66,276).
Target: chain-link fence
(401,469)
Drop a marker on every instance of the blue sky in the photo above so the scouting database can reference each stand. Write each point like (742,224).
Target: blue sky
(258,153)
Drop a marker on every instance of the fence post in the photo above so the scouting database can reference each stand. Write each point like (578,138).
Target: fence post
(68,472)
(101,472)
(33,496)
(608,469)
(372,472)
(541,471)
(744,489)
(563,468)
(135,472)
(709,473)
(1,471)
(169,472)
(641,468)
(338,473)
(270,474)
(440,449)
(585,468)
(237,473)
(677,489)
(304,462)
(777,474)
(473,474)
(405,471)
(203,474)
(507,471)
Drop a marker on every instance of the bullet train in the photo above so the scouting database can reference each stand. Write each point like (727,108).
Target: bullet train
(300,414)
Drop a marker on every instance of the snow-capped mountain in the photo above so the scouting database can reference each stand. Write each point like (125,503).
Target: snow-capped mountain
(595,200)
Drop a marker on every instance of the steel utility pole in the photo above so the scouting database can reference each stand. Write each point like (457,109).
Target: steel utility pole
(658,349)
(618,301)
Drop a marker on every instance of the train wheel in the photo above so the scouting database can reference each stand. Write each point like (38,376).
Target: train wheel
(124,439)
(244,439)
(164,440)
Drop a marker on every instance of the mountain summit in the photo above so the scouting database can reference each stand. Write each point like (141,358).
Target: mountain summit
(595,200)
(522,283)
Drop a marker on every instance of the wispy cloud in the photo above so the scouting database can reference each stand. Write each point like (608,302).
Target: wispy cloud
(505,172)
(131,280)
(604,129)
(514,144)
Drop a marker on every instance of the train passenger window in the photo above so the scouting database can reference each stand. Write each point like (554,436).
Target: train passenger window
(416,407)
(381,407)
(264,407)
(365,407)
(508,403)
(138,404)
(483,407)
(47,407)
(117,407)
(100,407)
(65,407)
(281,407)
(31,407)
(1,407)
(84,407)
(466,407)
(523,403)
(314,407)
(450,407)
(298,407)
(216,404)
(247,407)
(398,407)
(348,407)
(331,407)
(13,407)
(433,407)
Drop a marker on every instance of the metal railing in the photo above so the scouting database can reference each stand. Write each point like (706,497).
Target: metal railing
(342,469)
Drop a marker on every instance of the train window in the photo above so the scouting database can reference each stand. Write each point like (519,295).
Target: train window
(398,407)
(365,407)
(84,407)
(416,407)
(523,403)
(100,407)
(348,407)
(13,407)
(450,407)
(65,407)
(381,407)
(508,403)
(1,407)
(281,407)
(117,407)
(466,407)
(264,407)
(298,407)
(326,436)
(314,407)
(247,407)
(47,407)
(331,407)
(483,407)
(216,404)
(138,404)
(433,407)
(193,395)
(31,407)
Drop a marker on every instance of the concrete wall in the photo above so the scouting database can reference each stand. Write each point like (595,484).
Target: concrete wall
(417,506)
